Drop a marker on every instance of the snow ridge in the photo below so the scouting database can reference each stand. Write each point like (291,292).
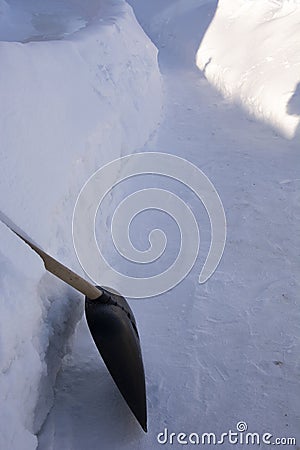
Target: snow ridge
(262,72)
(70,102)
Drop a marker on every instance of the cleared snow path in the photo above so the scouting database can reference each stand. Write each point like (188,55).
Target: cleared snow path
(228,350)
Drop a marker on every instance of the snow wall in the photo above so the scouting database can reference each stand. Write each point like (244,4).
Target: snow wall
(72,99)
(251,53)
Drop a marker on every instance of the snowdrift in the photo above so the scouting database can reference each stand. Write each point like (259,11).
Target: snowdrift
(251,53)
(77,89)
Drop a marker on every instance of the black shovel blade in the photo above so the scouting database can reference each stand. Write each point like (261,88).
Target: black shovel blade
(113,328)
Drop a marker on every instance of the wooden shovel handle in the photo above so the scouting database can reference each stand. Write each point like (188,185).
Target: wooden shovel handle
(54,266)
(67,275)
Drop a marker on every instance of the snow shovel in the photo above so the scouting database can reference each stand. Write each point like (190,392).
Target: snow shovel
(112,326)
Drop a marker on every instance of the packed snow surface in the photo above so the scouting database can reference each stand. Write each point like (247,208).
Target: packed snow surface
(214,354)
(251,53)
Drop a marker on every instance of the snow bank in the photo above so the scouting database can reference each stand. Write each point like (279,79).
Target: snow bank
(72,99)
(251,52)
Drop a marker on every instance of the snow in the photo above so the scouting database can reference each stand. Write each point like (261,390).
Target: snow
(214,354)
(251,54)
(71,99)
